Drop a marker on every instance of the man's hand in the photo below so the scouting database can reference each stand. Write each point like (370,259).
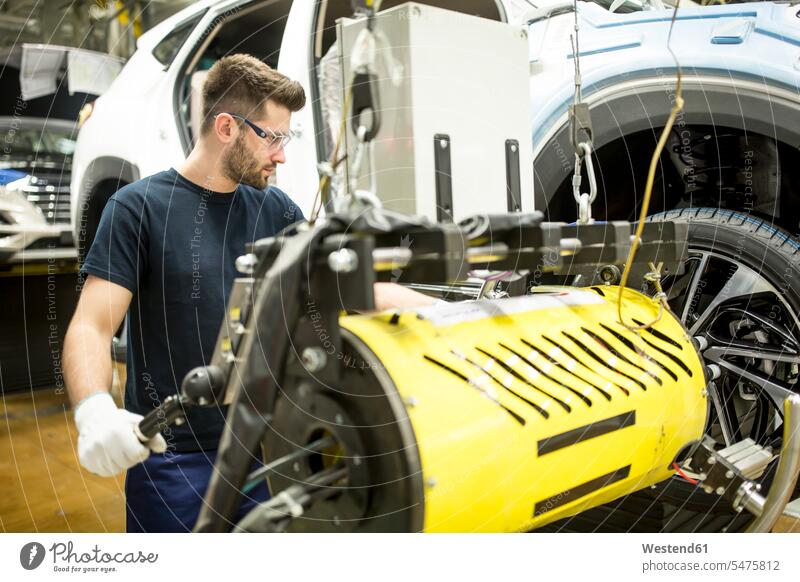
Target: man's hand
(394,296)
(107,444)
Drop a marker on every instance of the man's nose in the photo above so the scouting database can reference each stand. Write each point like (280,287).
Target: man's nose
(279,157)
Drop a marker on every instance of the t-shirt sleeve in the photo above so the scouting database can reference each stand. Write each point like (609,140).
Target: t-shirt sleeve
(290,210)
(298,214)
(118,252)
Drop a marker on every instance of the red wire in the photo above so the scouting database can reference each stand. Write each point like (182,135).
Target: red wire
(684,475)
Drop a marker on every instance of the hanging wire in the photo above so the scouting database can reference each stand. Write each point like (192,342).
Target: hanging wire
(655,275)
(322,196)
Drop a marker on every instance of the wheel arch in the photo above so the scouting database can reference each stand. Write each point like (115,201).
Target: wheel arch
(642,104)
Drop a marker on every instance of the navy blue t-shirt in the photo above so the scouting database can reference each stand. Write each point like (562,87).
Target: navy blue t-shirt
(173,244)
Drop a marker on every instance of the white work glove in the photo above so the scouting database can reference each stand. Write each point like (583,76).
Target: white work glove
(107,444)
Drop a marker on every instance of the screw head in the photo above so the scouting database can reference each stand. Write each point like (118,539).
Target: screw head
(314,359)
(343,261)
(246,264)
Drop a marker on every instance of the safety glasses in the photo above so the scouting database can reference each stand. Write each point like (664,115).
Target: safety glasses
(274,140)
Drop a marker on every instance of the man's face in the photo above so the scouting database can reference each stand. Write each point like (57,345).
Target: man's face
(249,159)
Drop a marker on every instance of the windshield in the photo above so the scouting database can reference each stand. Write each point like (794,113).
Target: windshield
(37,141)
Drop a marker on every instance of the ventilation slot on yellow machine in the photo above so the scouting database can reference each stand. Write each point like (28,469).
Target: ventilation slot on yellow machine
(582,490)
(584,433)
(541,371)
(606,345)
(562,349)
(479,385)
(628,343)
(657,334)
(565,369)
(505,385)
(523,379)
(609,364)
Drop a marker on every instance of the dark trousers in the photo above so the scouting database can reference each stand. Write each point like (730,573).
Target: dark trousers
(165,493)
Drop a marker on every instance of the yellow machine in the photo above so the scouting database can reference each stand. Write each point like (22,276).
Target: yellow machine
(494,415)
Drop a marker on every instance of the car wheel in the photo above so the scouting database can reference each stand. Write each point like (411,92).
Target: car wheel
(740,292)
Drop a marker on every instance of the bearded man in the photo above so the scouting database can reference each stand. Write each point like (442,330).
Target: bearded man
(164,254)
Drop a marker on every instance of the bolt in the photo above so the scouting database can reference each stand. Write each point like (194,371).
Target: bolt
(702,476)
(246,264)
(336,521)
(714,371)
(720,490)
(430,482)
(443,144)
(202,401)
(179,421)
(711,460)
(610,274)
(410,401)
(513,147)
(343,261)
(314,359)
(339,419)
(296,467)
(357,461)
(729,475)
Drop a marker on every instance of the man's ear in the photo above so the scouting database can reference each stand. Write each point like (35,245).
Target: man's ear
(225,128)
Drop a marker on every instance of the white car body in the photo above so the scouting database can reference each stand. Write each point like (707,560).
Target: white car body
(134,123)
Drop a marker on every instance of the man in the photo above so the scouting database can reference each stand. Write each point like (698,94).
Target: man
(164,253)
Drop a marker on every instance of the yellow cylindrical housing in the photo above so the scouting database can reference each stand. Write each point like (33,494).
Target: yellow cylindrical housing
(529,409)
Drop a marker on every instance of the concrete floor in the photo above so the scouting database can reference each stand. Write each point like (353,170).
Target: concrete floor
(43,486)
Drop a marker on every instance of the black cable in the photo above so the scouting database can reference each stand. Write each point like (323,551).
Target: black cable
(255,477)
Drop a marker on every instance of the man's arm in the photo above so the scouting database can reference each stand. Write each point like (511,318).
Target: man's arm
(394,296)
(107,443)
(87,345)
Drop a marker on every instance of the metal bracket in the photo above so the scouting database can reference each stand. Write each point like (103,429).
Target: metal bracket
(513,188)
(444,177)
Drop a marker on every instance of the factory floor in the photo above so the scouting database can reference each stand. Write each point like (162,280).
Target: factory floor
(44,488)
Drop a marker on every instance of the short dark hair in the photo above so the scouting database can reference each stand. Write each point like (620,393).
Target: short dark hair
(241,84)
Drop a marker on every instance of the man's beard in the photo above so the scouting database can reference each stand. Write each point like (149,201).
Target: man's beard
(239,165)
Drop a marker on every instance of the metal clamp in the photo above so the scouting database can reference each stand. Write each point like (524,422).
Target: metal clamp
(584,200)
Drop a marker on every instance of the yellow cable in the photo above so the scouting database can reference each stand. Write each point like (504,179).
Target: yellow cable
(333,161)
(648,191)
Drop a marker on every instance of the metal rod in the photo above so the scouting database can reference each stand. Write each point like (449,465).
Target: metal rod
(289,503)
(780,492)
(256,476)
